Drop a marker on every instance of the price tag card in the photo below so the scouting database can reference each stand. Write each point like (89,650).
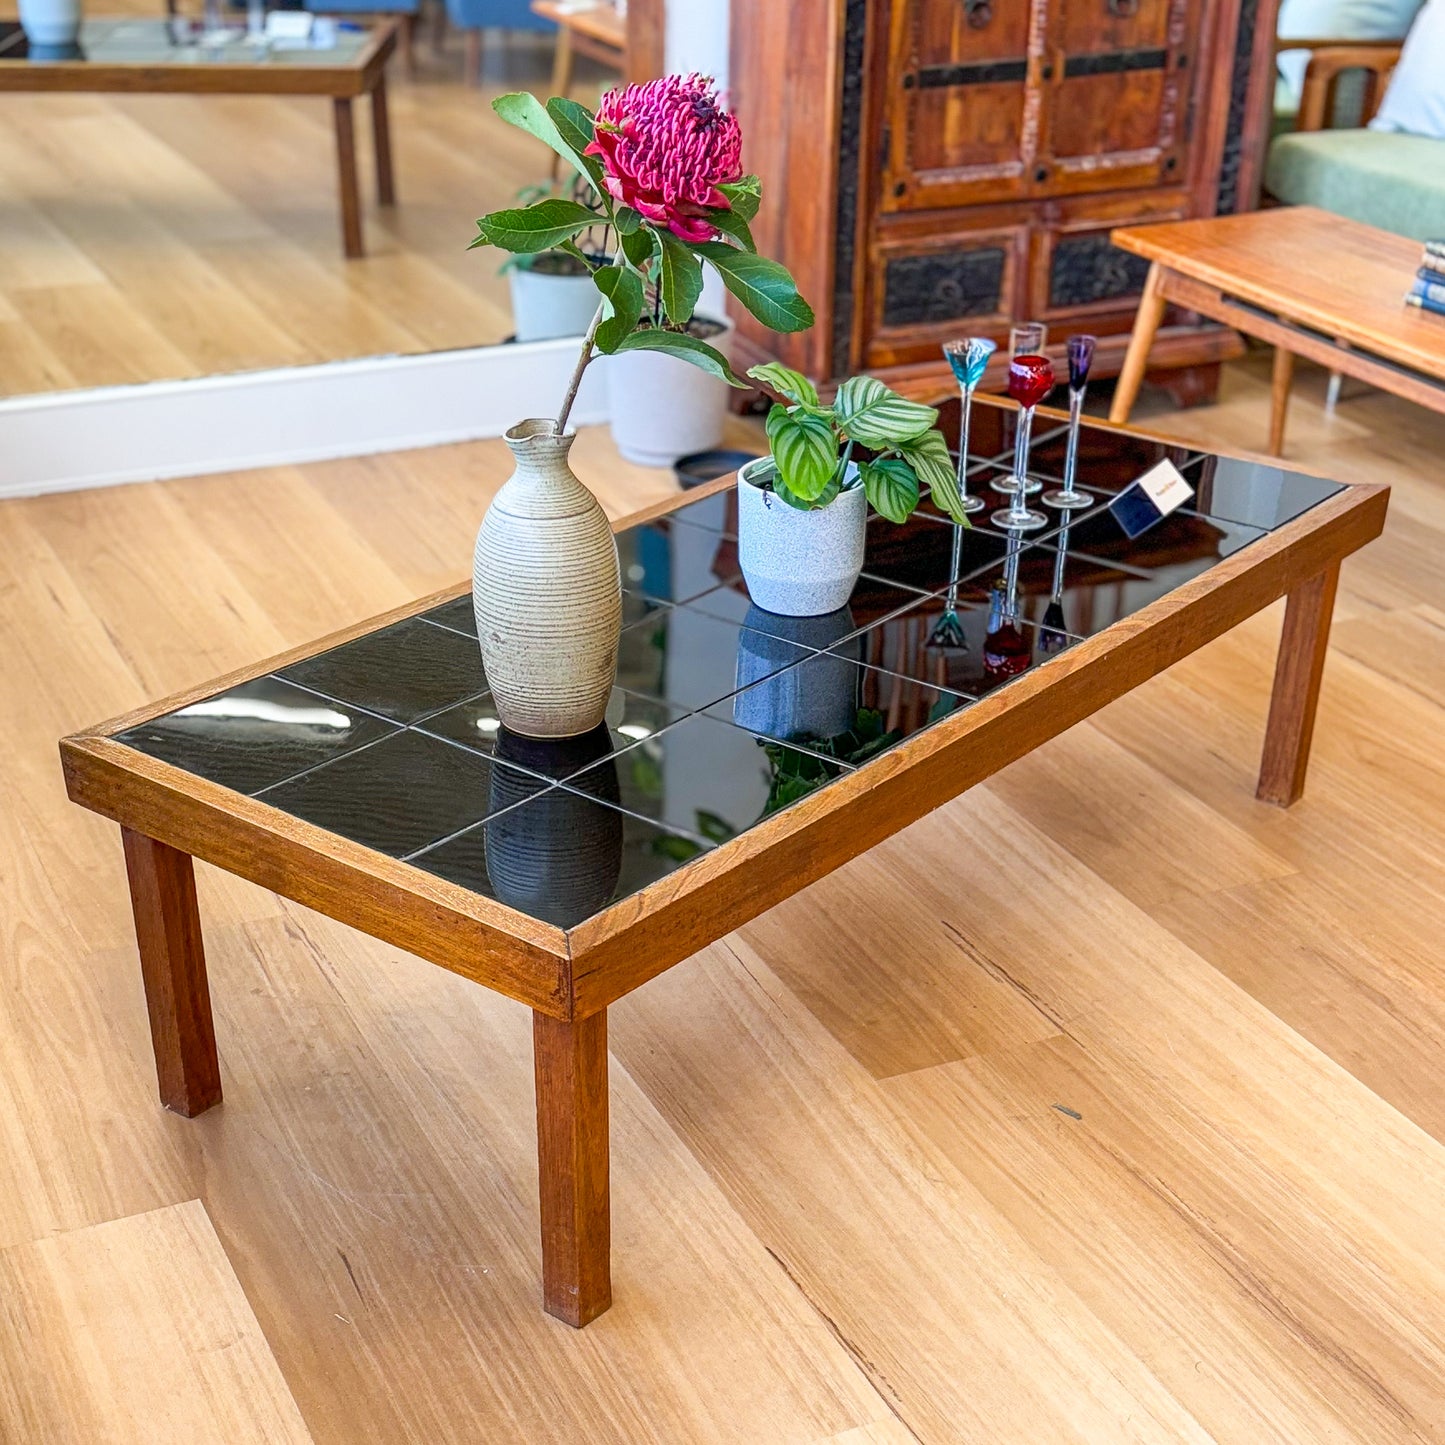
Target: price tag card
(292,25)
(1158,492)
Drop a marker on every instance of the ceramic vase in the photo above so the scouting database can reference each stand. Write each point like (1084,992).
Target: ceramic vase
(547,592)
(800,564)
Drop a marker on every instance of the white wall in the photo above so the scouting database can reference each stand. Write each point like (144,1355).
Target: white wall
(697,37)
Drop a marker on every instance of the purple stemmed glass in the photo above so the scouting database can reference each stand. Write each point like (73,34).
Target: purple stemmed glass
(1081,358)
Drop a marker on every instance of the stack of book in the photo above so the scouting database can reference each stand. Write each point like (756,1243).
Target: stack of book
(1428,292)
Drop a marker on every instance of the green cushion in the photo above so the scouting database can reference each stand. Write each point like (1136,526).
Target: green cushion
(1382,178)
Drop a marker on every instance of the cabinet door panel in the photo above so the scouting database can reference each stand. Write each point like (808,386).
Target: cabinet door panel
(1087,26)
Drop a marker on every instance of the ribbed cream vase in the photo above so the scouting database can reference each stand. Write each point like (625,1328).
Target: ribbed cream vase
(547,592)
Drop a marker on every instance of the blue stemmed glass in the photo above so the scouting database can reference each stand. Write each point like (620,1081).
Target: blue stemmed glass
(968,358)
(1081,358)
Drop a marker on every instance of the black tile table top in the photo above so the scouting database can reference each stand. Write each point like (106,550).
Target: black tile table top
(723,713)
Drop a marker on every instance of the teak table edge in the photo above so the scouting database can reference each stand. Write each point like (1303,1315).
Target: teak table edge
(569,977)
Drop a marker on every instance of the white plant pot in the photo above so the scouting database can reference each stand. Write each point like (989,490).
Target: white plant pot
(800,564)
(663,408)
(546,307)
(50,22)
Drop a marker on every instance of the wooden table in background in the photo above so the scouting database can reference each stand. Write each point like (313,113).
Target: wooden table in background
(1310,283)
(597,32)
(139,57)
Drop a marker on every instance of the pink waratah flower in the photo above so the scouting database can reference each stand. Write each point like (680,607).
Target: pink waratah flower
(665,148)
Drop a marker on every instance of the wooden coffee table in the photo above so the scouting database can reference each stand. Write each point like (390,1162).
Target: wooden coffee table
(745,756)
(1310,283)
(142,57)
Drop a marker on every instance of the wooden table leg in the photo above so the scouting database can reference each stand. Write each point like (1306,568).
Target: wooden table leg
(173,965)
(1280,380)
(381,133)
(562,62)
(472,61)
(346,170)
(1297,674)
(572,1154)
(1146,323)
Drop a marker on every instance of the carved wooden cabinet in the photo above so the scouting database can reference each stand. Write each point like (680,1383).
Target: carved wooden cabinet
(936,167)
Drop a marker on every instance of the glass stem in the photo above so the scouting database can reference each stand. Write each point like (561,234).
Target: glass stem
(1021,459)
(967,416)
(1071,456)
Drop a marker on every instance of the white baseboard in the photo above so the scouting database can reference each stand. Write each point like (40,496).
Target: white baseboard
(96,438)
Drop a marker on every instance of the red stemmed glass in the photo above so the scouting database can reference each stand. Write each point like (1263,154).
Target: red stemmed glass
(1030,380)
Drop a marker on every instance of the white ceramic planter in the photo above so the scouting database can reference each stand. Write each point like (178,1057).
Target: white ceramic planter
(547,593)
(545,307)
(801,564)
(50,22)
(663,408)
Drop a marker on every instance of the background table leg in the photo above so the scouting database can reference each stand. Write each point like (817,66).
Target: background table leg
(572,1154)
(173,965)
(1297,674)
(381,133)
(1280,381)
(1146,323)
(346,172)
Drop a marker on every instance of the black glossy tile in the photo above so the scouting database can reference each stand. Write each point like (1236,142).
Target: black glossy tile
(919,553)
(402,672)
(674,563)
(1255,493)
(256,734)
(560,857)
(476,724)
(872,598)
(834,706)
(690,659)
(1184,544)
(1108,461)
(456,614)
(403,793)
(707,778)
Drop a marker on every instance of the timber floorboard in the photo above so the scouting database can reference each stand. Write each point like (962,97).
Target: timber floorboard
(1103,1104)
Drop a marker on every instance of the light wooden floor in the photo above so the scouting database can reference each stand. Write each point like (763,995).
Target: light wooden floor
(145,238)
(1105,1104)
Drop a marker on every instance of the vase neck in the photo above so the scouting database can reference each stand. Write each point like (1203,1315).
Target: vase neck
(543,480)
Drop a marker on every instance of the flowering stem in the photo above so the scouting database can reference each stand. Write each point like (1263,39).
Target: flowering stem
(576,381)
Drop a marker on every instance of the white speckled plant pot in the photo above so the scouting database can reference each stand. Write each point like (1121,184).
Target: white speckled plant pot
(800,564)
(50,22)
(547,592)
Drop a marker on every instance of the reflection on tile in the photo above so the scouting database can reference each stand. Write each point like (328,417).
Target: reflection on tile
(690,659)
(835,707)
(705,777)
(402,793)
(919,553)
(476,724)
(561,857)
(673,564)
(1255,493)
(258,733)
(717,513)
(872,598)
(402,672)
(1183,544)
(456,614)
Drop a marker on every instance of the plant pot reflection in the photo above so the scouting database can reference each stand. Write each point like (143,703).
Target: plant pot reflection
(559,857)
(816,698)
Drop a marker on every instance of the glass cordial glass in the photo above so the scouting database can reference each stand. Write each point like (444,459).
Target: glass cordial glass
(1030,380)
(1081,358)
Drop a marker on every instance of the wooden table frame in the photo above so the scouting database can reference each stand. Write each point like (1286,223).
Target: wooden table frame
(342,83)
(1333,338)
(568,977)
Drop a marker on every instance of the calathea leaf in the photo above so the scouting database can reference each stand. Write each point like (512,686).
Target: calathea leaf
(872,414)
(805,450)
(575,125)
(763,286)
(534,228)
(744,195)
(929,456)
(680,278)
(786,382)
(686,348)
(522,109)
(622,303)
(892,487)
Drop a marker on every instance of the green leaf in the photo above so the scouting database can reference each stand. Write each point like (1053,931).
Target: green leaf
(730,223)
(534,228)
(574,124)
(786,382)
(744,195)
(763,286)
(681,279)
(892,487)
(928,456)
(712,827)
(684,347)
(805,450)
(872,414)
(638,246)
(522,109)
(622,303)
(626,220)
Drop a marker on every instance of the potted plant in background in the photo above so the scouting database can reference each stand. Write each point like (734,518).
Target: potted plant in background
(661,166)
(802,510)
(552,292)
